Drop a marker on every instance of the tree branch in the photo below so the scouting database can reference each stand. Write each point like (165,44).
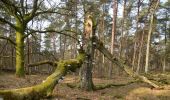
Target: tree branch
(49,12)
(22,6)
(35,6)
(59,32)
(7,22)
(7,38)
(13,9)
(42,63)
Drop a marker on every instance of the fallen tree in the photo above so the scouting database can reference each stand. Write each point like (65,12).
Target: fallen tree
(44,89)
(121,63)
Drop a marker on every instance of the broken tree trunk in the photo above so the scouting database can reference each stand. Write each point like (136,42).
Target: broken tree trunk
(121,64)
(44,89)
(86,82)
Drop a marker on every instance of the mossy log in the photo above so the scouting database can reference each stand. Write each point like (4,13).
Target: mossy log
(121,64)
(44,89)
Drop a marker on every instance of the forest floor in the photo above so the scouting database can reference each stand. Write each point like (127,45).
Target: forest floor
(120,87)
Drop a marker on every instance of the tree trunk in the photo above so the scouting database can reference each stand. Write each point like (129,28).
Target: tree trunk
(148,45)
(20,52)
(122,31)
(135,45)
(113,34)
(164,58)
(86,76)
(140,52)
(86,72)
(12,55)
(153,7)
(164,64)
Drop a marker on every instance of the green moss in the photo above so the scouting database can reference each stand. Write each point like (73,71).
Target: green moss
(19,49)
(81,57)
(19,55)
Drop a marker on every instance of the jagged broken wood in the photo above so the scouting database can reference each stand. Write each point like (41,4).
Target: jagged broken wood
(44,89)
(121,64)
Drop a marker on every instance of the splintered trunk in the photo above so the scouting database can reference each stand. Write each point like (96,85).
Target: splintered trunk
(86,72)
(20,52)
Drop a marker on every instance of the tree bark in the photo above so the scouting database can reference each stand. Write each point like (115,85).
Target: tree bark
(20,50)
(148,46)
(140,52)
(122,31)
(86,75)
(115,5)
(86,82)
(164,58)
(135,44)
(153,7)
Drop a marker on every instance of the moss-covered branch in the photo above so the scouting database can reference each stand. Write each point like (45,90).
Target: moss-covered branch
(45,88)
(121,64)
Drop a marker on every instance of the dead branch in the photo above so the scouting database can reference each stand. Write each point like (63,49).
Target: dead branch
(42,63)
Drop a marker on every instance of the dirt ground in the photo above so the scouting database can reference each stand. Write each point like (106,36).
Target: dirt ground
(122,88)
